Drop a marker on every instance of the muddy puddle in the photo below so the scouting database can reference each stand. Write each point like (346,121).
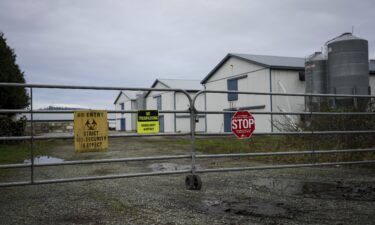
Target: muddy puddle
(248,207)
(257,207)
(329,190)
(44,160)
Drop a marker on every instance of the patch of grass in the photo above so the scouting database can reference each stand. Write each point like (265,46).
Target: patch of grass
(286,143)
(18,152)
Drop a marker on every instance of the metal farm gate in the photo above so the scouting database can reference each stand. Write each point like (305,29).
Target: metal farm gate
(192,180)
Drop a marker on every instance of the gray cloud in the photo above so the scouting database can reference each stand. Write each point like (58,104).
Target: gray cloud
(131,43)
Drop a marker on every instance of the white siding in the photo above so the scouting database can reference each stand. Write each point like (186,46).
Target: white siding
(175,101)
(257,80)
(167,104)
(287,81)
(239,67)
(183,120)
(129,121)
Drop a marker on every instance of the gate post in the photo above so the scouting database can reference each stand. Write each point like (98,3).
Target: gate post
(32,137)
(193,181)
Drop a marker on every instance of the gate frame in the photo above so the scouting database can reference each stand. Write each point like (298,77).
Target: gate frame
(193,156)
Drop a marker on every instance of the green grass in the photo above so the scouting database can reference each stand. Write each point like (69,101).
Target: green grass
(18,152)
(287,143)
(280,143)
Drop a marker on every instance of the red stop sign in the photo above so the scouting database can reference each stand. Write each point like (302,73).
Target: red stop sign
(243,124)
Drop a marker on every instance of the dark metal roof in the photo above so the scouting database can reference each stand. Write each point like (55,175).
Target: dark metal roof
(274,62)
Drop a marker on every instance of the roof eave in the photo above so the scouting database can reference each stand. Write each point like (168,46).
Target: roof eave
(118,96)
(153,85)
(288,68)
(224,60)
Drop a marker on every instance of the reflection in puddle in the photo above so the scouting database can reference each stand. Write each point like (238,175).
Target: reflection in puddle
(44,159)
(157,167)
(246,206)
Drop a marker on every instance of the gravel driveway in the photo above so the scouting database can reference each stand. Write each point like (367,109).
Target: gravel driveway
(336,195)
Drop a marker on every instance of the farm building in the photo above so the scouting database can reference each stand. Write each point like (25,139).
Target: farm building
(126,100)
(173,100)
(258,73)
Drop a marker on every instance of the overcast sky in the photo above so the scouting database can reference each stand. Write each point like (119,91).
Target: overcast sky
(132,43)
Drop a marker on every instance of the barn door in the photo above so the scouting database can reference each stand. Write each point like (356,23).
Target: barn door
(161,123)
(227,122)
(123,124)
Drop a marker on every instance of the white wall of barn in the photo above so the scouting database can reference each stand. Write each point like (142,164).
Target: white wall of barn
(183,120)
(127,106)
(257,80)
(133,116)
(175,101)
(166,104)
(287,81)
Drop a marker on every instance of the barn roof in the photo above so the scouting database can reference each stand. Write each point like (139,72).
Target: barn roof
(130,94)
(273,62)
(188,85)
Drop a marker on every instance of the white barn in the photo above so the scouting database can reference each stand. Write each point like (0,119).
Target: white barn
(257,73)
(126,100)
(172,100)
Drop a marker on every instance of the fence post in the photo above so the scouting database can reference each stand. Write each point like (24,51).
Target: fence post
(192,128)
(32,136)
(312,147)
(193,181)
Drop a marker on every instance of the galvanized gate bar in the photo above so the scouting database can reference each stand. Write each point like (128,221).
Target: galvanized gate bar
(15,138)
(283,94)
(284,153)
(287,166)
(197,134)
(294,113)
(290,133)
(41,111)
(49,86)
(199,156)
(65,180)
(95,161)
(181,90)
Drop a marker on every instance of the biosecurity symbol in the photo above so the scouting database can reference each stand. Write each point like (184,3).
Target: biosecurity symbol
(91,124)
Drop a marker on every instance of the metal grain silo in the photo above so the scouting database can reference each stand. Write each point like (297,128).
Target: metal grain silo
(316,79)
(348,67)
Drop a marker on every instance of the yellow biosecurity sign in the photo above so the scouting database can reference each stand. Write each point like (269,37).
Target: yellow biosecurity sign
(90,130)
(148,121)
